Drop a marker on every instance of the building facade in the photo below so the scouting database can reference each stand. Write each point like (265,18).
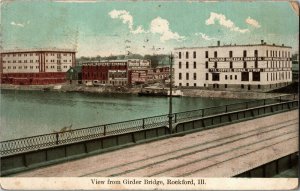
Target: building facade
(249,67)
(36,67)
(115,72)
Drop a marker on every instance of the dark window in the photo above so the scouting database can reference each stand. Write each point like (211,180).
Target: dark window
(180,76)
(187,65)
(255,53)
(225,77)
(235,77)
(256,76)
(206,76)
(180,84)
(206,64)
(194,64)
(267,64)
(187,84)
(195,84)
(187,54)
(230,65)
(195,76)
(230,54)
(206,54)
(258,86)
(256,64)
(179,55)
(216,54)
(242,86)
(245,53)
(225,85)
(267,53)
(245,64)
(267,76)
(179,64)
(216,65)
(245,76)
(215,77)
(187,76)
(231,77)
(194,54)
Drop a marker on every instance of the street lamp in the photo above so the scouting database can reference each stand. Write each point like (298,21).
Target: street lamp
(170,95)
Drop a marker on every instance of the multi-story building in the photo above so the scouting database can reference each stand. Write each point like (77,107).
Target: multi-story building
(35,67)
(115,72)
(255,66)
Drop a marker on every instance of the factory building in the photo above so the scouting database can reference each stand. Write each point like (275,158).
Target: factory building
(35,67)
(250,67)
(115,72)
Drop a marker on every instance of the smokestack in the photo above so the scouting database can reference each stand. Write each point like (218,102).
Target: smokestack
(218,43)
(262,41)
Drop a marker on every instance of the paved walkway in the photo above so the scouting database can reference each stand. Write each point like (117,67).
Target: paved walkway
(219,152)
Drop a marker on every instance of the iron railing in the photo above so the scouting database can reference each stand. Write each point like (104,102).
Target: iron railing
(26,144)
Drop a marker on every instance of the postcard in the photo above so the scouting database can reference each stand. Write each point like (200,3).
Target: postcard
(149,95)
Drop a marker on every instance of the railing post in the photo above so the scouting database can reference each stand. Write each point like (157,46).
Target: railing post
(56,138)
(280,99)
(202,112)
(226,109)
(175,117)
(264,101)
(104,133)
(143,123)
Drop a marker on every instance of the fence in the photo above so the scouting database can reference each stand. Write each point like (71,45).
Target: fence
(15,146)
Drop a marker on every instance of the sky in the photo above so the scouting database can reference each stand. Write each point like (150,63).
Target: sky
(145,27)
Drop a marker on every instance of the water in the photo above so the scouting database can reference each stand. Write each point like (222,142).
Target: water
(29,113)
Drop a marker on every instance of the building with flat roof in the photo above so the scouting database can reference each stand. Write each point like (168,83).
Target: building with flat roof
(35,66)
(250,67)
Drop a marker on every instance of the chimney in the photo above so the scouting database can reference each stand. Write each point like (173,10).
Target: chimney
(262,41)
(218,43)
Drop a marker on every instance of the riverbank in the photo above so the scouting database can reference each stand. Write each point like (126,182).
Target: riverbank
(135,90)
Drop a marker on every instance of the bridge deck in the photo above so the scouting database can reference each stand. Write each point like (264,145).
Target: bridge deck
(219,152)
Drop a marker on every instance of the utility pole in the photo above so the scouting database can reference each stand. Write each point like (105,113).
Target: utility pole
(170,96)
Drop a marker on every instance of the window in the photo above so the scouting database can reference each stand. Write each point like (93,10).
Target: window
(258,86)
(242,86)
(225,77)
(230,65)
(180,84)
(195,84)
(194,65)
(179,65)
(187,55)
(187,64)
(230,54)
(180,76)
(235,77)
(206,76)
(267,53)
(256,76)
(245,53)
(206,64)
(255,53)
(179,55)
(216,65)
(230,77)
(194,54)
(206,54)
(195,76)
(187,76)
(215,54)
(245,64)
(245,76)
(225,85)
(267,76)
(187,84)
(215,77)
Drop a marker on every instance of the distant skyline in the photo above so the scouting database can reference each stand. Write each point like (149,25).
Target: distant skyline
(144,27)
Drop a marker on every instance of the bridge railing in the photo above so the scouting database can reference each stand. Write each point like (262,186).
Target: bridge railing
(60,138)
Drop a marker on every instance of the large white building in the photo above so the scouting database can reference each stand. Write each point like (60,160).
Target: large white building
(35,66)
(253,66)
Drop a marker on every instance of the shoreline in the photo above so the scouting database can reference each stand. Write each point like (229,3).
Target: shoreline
(134,91)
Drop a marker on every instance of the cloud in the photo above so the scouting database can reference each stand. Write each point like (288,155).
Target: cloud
(126,18)
(227,23)
(161,26)
(204,36)
(17,24)
(252,22)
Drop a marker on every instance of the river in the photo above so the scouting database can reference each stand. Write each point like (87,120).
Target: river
(29,113)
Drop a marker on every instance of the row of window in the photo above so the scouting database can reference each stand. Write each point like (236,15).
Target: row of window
(274,76)
(31,61)
(37,54)
(187,76)
(31,67)
(273,53)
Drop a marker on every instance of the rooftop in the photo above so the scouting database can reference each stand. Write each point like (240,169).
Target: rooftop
(37,50)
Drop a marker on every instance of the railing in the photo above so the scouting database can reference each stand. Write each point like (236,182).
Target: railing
(72,136)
